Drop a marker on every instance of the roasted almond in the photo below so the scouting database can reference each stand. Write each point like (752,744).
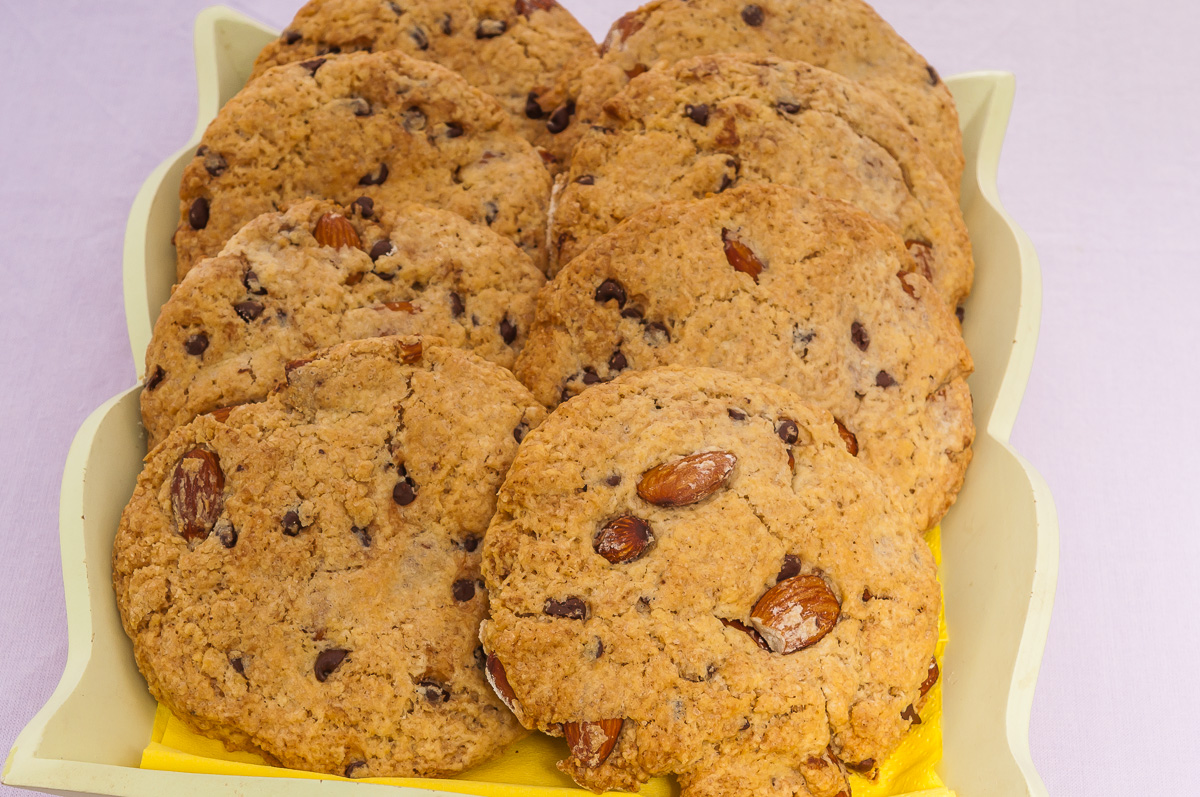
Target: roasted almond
(592,742)
(401,307)
(931,678)
(686,480)
(623,539)
(908,288)
(197,493)
(740,256)
(499,681)
(795,613)
(825,775)
(848,437)
(922,255)
(334,229)
(410,352)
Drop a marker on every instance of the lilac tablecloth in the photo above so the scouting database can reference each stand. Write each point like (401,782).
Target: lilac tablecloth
(1100,167)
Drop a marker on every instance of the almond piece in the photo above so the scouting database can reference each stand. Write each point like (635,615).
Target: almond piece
(686,480)
(931,678)
(740,256)
(623,539)
(922,255)
(499,681)
(401,307)
(592,742)
(410,352)
(334,229)
(197,493)
(795,613)
(745,629)
(847,437)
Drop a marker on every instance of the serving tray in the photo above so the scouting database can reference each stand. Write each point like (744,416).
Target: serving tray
(999,542)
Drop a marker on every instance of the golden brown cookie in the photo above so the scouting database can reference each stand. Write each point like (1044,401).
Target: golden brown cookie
(689,574)
(301,580)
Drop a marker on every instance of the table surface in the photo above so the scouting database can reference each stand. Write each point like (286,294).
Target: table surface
(1099,167)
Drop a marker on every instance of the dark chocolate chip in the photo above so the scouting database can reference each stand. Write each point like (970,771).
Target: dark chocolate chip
(365,206)
(508,330)
(572,608)
(611,289)
(697,113)
(934,78)
(327,662)
(617,362)
(248,310)
(657,334)
(355,769)
(469,544)
(396,9)
(561,118)
(960,311)
(196,344)
(859,335)
(519,432)
(215,164)
(490,212)
(363,535)
(790,568)
(238,665)
(454,129)
(737,415)
(419,38)
(480,657)
(226,533)
(788,431)
(290,36)
(788,107)
(884,379)
(456,305)
(752,15)
(381,248)
(312,65)
(434,692)
(464,590)
(613,480)
(447,25)
(405,492)
(156,378)
(250,280)
(632,312)
(361,107)
(291,523)
(532,109)
(377,177)
(198,213)
(328,49)
(590,377)
(414,119)
(490,28)
(586,179)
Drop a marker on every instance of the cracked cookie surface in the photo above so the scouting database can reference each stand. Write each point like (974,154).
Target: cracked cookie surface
(383,125)
(528,54)
(843,36)
(284,287)
(777,283)
(302,580)
(707,124)
(761,534)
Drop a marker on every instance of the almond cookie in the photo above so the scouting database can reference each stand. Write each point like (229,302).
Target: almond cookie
(384,126)
(301,580)
(843,36)
(689,574)
(706,124)
(320,274)
(781,284)
(528,54)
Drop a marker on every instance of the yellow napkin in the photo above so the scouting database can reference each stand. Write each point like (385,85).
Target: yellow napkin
(527,766)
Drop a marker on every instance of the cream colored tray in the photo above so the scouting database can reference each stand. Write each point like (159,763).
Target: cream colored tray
(1000,541)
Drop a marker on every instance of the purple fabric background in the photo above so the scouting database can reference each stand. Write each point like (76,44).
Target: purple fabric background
(1100,167)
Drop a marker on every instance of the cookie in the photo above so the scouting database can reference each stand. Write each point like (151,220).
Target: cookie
(301,580)
(781,284)
(843,36)
(384,126)
(689,574)
(528,54)
(320,274)
(706,124)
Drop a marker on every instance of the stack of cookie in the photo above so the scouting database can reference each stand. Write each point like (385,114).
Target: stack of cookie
(406,498)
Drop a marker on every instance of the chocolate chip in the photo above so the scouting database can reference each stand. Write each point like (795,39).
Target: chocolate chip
(884,379)
(248,310)
(697,113)
(490,212)
(396,9)
(788,107)
(752,15)
(571,608)
(156,378)
(365,206)
(864,766)
(238,665)
(519,432)
(312,65)
(456,305)
(632,312)
(590,377)
(508,330)
(290,36)
(656,333)
(433,691)
(453,129)
(736,415)
(226,533)
(490,28)
(960,311)
(859,335)
(480,657)
(788,431)
(613,480)
(250,280)
(911,715)
(355,769)
(611,289)
(291,523)
(617,362)
(198,213)
(414,119)
(790,568)
(363,535)
(196,344)
(405,492)
(726,181)
(419,38)
(464,590)
(381,248)
(866,594)
(215,164)
(377,177)
(934,79)
(327,49)
(361,107)
(586,179)
(470,543)
(532,109)
(561,118)
(327,662)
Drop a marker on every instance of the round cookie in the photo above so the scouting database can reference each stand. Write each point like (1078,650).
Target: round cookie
(320,274)
(302,580)
(385,126)
(690,574)
(843,36)
(703,125)
(781,284)
(528,54)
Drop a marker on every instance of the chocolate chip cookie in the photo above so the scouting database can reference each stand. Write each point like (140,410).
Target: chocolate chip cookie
(385,126)
(301,580)
(706,124)
(528,54)
(320,274)
(781,284)
(690,574)
(843,36)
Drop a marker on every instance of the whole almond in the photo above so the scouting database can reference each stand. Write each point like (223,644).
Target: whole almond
(334,229)
(197,493)
(499,681)
(740,256)
(686,480)
(795,613)
(848,438)
(623,539)
(592,742)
